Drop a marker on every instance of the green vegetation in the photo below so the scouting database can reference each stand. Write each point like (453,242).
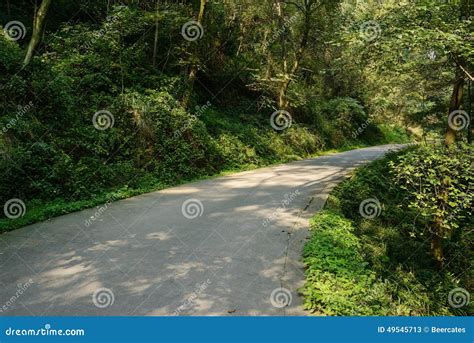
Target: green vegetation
(438,182)
(386,265)
(121,103)
(102,100)
(216,144)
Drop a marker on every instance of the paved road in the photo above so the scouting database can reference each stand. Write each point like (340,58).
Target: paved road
(214,247)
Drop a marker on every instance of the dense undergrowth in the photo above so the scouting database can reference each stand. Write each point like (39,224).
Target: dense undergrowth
(56,159)
(384,265)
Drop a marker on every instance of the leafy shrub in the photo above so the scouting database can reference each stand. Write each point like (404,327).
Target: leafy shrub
(344,120)
(438,182)
(303,141)
(336,274)
(234,152)
(388,133)
(371,181)
(170,141)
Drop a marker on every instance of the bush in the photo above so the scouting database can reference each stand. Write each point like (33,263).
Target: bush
(382,266)
(344,120)
(438,182)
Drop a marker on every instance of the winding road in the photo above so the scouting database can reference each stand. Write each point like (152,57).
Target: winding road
(225,246)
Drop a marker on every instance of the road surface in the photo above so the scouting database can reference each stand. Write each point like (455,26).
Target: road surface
(225,246)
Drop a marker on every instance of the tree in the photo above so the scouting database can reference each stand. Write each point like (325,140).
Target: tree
(306,8)
(417,67)
(155,42)
(38,27)
(462,74)
(291,34)
(194,68)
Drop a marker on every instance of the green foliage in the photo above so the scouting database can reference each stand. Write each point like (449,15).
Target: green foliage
(383,266)
(342,121)
(336,274)
(391,133)
(340,280)
(439,184)
(55,160)
(409,65)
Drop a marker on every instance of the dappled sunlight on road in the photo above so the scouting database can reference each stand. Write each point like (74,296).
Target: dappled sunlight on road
(242,244)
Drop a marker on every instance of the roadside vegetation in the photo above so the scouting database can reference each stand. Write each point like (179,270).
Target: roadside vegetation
(403,251)
(397,237)
(107,100)
(103,100)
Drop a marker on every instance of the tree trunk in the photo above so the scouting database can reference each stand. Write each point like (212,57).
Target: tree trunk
(439,230)
(38,26)
(155,44)
(282,96)
(282,100)
(466,9)
(456,97)
(194,68)
(456,101)
(437,249)
(469,111)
